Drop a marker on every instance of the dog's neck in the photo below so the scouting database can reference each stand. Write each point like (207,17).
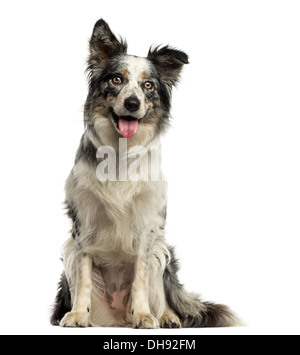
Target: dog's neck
(124,160)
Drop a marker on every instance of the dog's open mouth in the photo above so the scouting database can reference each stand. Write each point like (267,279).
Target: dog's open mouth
(127,125)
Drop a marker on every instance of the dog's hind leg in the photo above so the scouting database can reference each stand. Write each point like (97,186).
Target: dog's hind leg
(79,315)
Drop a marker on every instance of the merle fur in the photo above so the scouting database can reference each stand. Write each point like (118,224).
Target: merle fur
(72,213)
(86,151)
(62,301)
(191,310)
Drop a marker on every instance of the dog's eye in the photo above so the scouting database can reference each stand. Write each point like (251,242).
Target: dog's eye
(117,80)
(148,85)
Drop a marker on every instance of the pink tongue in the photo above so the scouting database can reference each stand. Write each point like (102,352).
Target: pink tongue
(128,128)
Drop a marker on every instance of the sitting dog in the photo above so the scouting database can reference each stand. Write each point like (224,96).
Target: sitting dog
(118,267)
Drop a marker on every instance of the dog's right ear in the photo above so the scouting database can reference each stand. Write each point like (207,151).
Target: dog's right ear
(104,44)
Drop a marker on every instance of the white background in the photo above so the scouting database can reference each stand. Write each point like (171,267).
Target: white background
(233,207)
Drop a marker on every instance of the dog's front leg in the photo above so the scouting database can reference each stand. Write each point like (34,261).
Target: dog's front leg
(79,316)
(141,314)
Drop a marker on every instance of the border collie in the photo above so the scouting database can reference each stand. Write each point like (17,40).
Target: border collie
(118,268)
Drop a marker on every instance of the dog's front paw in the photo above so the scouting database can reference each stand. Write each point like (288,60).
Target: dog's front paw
(169,320)
(145,321)
(75,319)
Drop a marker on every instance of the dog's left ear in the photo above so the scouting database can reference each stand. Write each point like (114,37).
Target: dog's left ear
(169,62)
(104,44)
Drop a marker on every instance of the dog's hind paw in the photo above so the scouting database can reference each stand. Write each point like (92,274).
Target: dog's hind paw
(75,319)
(145,321)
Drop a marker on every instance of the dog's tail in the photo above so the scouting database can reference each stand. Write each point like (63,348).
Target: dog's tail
(62,302)
(193,312)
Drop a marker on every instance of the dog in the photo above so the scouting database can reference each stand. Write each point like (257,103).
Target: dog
(119,270)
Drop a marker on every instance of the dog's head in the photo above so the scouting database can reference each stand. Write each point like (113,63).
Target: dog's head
(129,96)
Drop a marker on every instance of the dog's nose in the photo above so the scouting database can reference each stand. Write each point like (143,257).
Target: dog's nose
(132,104)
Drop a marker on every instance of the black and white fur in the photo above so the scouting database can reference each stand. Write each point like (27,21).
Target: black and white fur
(118,268)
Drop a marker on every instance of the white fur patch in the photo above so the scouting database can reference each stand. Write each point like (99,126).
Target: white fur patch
(136,66)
